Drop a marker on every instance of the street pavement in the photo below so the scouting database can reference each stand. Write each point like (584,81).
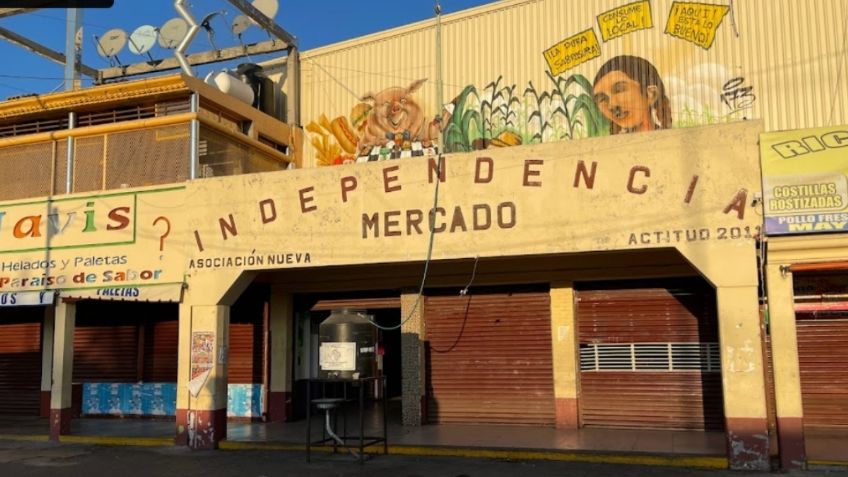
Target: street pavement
(57,460)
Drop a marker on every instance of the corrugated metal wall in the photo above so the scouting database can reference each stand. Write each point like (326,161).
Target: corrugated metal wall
(791,53)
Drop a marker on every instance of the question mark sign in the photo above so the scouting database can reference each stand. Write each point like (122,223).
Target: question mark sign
(167,231)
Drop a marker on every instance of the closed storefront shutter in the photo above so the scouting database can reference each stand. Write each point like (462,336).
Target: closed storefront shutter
(489,358)
(160,351)
(105,343)
(246,353)
(823,360)
(125,342)
(649,358)
(245,365)
(20,360)
(105,354)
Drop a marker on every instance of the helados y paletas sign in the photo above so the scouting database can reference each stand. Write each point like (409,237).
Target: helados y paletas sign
(89,242)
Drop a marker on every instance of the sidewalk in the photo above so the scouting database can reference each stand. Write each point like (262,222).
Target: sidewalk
(641,447)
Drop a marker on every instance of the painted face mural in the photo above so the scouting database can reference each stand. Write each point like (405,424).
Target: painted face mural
(630,94)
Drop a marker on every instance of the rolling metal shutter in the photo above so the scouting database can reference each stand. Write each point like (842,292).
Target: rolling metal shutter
(649,358)
(823,361)
(247,338)
(20,360)
(489,359)
(105,351)
(125,342)
(160,351)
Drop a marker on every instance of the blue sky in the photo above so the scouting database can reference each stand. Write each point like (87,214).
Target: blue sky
(314,23)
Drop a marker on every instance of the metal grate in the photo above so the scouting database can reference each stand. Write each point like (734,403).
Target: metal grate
(93,118)
(34,127)
(132,113)
(88,164)
(60,175)
(26,170)
(223,156)
(703,357)
(147,157)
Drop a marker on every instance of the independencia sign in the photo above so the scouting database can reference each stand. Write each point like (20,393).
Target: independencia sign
(679,188)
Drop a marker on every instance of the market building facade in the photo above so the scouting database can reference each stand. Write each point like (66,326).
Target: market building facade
(567,263)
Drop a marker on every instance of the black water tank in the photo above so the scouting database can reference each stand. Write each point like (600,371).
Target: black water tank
(264,98)
(348,345)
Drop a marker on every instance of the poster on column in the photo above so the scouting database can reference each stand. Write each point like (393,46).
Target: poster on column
(805,180)
(202,359)
(202,352)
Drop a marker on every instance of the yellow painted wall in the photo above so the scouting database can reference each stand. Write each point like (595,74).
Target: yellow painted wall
(302,218)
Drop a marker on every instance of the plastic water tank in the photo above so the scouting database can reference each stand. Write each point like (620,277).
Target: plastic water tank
(348,345)
(230,84)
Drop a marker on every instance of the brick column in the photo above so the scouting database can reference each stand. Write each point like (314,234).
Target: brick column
(787,373)
(282,330)
(743,378)
(565,355)
(413,368)
(63,367)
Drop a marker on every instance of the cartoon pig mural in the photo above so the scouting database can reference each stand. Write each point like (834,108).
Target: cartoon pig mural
(395,116)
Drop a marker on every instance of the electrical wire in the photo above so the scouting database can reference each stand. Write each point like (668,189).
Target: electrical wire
(352,93)
(426,262)
(464,291)
(733,20)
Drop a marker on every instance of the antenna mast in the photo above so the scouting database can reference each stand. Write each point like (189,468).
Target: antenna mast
(73,49)
(440,104)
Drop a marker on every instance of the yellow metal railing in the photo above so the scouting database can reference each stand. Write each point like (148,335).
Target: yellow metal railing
(134,153)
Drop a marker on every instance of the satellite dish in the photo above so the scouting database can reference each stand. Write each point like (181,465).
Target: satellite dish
(206,24)
(111,42)
(240,24)
(143,39)
(267,7)
(172,33)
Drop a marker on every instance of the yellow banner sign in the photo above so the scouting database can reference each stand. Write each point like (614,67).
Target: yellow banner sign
(572,51)
(805,180)
(92,242)
(625,19)
(67,223)
(695,22)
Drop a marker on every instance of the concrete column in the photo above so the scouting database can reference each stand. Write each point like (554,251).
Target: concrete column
(787,373)
(47,359)
(282,331)
(183,373)
(63,368)
(204,345)
(413,364)
(743,378)
(565,354)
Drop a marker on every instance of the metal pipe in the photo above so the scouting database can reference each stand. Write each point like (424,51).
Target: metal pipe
(73,48)
(816,267)
(440,103)
(194,138)
(193,28)
(69,165)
